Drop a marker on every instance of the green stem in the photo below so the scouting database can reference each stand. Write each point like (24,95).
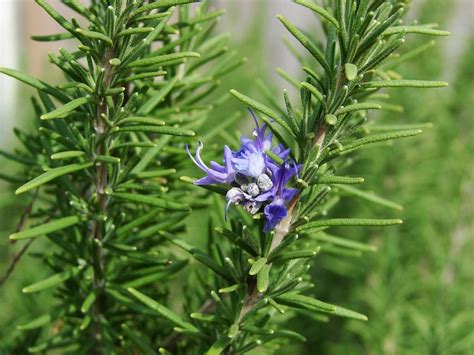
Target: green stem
(98,226)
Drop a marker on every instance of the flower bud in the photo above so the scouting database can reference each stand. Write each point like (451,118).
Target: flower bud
(264,183)
(252,189)
(234,195)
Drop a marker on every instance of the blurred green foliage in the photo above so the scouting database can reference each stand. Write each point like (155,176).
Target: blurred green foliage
(417,288)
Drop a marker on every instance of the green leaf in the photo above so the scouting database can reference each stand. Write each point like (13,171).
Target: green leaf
(358,107)
(56,16)
(95,35)
(35,323)
(107,159)
(51,175)
(203,317)
(88,302)
(347,313)
(181,243)
(294,255)
(52,280)
(293,299)
(263,109)
(162,310)
(349,222)
(291,114)
(212,265)
(146,75)
(400,127)
(305,302)
(331,239)
(201,18)
(314,91)
(171,131)
(275,305)
(198,255)
(333,179)
(162,59)
(46,228)
(219,346)
(374,139)
(66,109)
(153,201)
(155,276)
(274,157)
(288,77)
(423,84)
(55,37)
(334,250)
(289,334)
(127,228)
(134,31)
(311,47)
(229,289)
(158,4)
(320,11)
(415,29)
(36,83)
(257,266)
(77,6)
(145,120)
(351,71)
(330,120)
(245,244)
(368,196)
(115,62)
(155,173)
(67,155)
(409,55)
(20,158)
(263,278)
(155,99)
(233,331)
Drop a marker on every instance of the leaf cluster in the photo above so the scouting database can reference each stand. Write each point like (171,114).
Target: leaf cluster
(101,163)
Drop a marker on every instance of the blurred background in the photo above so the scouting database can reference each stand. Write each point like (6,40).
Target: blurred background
(418,288)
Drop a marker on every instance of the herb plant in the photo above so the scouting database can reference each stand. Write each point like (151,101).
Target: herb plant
(102,171)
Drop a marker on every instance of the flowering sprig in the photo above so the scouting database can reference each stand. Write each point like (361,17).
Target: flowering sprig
(256,175)
(259,274)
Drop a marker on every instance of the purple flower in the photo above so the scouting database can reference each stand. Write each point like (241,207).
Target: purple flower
(251,159)
(218,174)
(257,181)
(276,210)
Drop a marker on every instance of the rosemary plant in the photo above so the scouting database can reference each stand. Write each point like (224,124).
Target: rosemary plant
(101,173)
(100,168)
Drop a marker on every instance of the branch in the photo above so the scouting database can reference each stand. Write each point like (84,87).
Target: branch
(16,258)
